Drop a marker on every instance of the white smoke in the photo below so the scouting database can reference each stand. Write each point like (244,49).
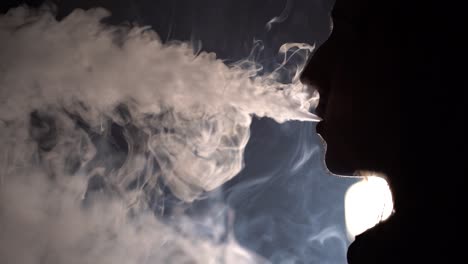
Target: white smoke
(84,102)
(44,222)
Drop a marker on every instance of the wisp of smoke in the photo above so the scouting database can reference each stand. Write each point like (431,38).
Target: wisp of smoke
(97,122)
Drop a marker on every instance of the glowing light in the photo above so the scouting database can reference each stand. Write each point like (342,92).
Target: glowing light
(367,203)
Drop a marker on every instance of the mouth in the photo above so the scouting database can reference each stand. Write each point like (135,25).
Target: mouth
(320,128)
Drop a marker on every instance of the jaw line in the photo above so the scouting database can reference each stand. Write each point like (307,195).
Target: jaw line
(327,171)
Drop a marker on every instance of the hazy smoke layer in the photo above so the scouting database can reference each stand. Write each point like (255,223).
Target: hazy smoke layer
(96,121)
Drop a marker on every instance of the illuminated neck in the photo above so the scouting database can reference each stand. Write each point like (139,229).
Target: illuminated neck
(367,203)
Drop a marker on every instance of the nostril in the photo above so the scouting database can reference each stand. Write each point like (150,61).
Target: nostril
(305,81)
(316,80)
(309,77)
(320,110)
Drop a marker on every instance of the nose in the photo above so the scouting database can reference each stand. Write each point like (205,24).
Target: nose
(314,74)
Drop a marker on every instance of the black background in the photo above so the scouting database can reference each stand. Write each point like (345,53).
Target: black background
(433,144)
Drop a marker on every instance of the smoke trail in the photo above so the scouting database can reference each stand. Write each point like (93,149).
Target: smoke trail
(282,17)
(292,211)
(97,122)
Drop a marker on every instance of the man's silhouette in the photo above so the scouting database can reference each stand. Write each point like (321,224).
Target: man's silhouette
(356,75)
(377,55)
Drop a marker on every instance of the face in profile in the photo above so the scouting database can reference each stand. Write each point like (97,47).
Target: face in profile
(357,73)
(358,99)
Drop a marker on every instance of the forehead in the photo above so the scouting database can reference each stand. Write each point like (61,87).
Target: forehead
(351,8)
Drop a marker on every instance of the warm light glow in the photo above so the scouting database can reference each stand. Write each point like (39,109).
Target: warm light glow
(367,203)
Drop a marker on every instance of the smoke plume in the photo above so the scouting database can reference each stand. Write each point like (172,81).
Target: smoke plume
(98,122)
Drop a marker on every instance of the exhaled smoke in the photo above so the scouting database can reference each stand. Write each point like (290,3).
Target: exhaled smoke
(98,121)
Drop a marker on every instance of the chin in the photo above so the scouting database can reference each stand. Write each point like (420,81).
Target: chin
(342,161)
(349,165)
(335,162)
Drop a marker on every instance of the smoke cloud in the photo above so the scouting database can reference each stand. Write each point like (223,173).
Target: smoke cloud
(97,122)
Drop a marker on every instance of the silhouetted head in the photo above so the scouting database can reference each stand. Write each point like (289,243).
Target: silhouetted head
(358,75)
(355,76)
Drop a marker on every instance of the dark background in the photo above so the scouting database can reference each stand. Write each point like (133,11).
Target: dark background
(226,27)
(432,110)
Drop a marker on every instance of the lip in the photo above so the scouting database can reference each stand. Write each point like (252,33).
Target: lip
(320,128)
